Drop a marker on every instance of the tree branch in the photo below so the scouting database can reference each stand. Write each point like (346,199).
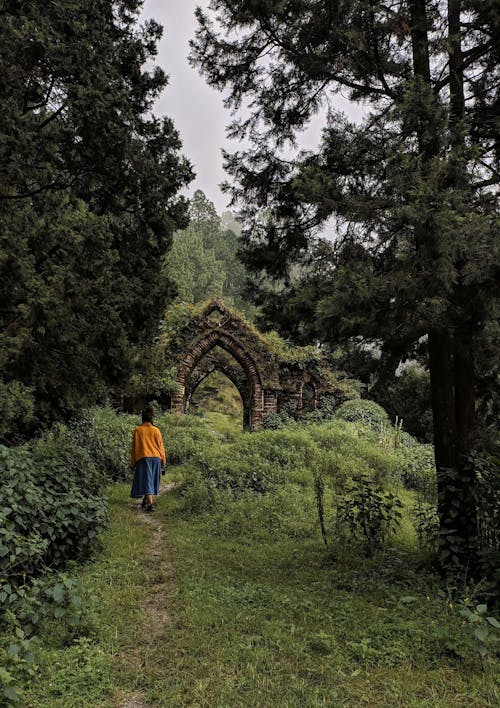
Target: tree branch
(376,54)
(52,117)
(471,55)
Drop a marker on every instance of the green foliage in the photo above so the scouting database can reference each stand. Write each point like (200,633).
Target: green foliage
(203,262)
(408,395)
(275,420)
(426,522)
(319,493)
(17,406)
(409,190)
(88,186)
(106,436)
(417,468)
(184,437)
(256,587)
(485,627)
(52,511)
(366,412)
(326,411)
(18,653)
(365,511)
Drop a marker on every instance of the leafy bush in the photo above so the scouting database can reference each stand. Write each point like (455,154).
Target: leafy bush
(106,436)
(351,448)
(274,421)
(184,437)
(366,512)
(417,469)
(51,511)
(487,500)
(223,469)
(326,411)
(366,412)
(17,404)
(259,463)
(290,450)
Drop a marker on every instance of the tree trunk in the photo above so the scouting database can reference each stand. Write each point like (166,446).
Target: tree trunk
(443,401)
(450,362)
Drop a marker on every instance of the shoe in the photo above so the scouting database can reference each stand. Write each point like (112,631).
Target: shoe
(143,502)
(149,509)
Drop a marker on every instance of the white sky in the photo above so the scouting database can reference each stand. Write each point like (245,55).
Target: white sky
(197,110)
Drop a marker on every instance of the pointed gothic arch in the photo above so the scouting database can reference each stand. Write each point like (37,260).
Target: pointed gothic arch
(207,365)
(268,375)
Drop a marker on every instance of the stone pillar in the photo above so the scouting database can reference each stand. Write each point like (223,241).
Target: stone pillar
(177,405)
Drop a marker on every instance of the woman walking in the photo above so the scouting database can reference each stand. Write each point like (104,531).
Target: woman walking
(147,458)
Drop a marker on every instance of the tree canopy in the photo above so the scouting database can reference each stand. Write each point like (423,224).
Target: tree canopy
(408,192)
(89,196)
(203,262)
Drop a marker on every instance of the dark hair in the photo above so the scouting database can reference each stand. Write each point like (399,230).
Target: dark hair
(148,414)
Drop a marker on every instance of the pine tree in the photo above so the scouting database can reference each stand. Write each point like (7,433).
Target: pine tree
(410,188)
(89,183)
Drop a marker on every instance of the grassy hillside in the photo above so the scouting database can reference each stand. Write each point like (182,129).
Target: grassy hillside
(231,597)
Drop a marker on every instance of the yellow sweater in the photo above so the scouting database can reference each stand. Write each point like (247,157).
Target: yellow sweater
(147,442)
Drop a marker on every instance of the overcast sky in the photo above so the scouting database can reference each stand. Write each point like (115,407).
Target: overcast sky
(197,109)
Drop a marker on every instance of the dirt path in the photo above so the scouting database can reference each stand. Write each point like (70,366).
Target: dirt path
(155,605)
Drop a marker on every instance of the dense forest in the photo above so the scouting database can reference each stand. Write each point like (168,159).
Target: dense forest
(347,551)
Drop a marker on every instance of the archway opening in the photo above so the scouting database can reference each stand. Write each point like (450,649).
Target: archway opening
(218,388)
(308,397)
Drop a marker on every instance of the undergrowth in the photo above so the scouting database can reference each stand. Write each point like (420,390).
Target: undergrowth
(265,612)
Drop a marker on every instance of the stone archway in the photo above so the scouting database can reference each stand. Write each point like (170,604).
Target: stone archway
(212,362)
(202,347)
(270,375)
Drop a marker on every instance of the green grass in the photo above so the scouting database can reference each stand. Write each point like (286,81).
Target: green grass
(225,425)
(289,623)
(262,614)
(80,672)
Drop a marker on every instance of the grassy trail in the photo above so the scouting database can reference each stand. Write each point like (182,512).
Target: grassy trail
(182,617)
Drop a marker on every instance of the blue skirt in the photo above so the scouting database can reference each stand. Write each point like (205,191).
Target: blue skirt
(146,477)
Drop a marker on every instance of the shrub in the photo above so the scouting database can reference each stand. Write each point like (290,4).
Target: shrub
(107,437)
(487,500)
(366,412)
(17,404)
(326,411)
(223,469)
(184,437)
(417,469)
(48,513)
(274,421)
(351,448)
(289,450)
(366,512)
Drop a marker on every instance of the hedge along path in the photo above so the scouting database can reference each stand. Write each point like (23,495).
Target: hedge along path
(154,608)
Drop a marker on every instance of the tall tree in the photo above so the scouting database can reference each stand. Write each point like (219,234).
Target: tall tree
(203,262)
(89,183)
(410,187)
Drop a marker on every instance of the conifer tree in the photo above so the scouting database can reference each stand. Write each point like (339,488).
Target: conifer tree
(410,188)
(89,196)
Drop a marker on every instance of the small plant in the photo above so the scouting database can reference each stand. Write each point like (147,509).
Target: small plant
(274,421)
(319,493)
(367,512)
(426,522)
(485,627)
